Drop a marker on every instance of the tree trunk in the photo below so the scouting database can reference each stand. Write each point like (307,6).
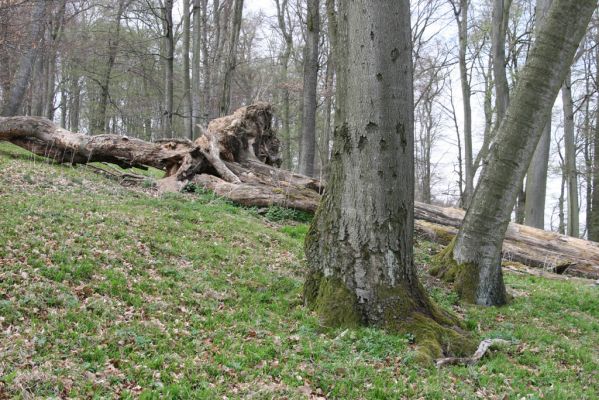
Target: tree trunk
(20,80)
(308,137)
(476,252)
(536,178)
(98,120)
(570,158)
(231,60)
(169,61)
(593,227)
(187,101)
(461,16)
(288,38)
(196,91)
(501,11)
(359,248)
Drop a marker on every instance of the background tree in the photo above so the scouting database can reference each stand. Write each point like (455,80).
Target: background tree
(474,258)
(308,137)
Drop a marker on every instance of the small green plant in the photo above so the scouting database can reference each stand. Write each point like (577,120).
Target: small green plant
(276,214)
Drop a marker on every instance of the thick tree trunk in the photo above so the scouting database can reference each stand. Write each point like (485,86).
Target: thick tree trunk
(570,158)
(536,178)
(476,251)
(359,248)
(20,81)
(308,137)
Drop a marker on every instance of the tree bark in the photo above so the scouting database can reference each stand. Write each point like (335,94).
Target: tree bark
(536,178)
(501,11)
(188,101)
(476,252)
(20,81)
(570,158)
(231,60)
(461,15)
(98,120)
(359,248)
(282,10)
(169,63)
(308,137)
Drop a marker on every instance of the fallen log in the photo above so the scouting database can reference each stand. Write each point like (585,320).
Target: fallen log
(237,157)
(548,251)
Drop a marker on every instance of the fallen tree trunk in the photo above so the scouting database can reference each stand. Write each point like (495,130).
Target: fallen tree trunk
(533,247)
(237,157)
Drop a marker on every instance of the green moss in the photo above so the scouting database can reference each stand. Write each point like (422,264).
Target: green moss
(332,301)
(464,276)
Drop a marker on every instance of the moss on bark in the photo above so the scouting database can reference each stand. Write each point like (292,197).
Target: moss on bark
(437,332)
(463,276)
(334,303)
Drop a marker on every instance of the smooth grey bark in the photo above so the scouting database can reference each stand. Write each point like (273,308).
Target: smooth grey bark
(461,16)
(308,136)
(359,248)
(593,227)
(169,64)
(20,80)
(207,85)
(282,11)
(536,178)
(188,101)
(501,10)
(231,59)
(477,248)
(570,158)
(196,63)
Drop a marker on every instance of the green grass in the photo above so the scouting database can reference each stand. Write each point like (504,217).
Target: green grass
(108,292)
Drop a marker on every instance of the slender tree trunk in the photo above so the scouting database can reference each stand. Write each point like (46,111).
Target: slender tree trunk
(501,11)
(169,61)
(231,60)
(536,178)
(570,158)
(207,70)
(98,121)
(359,248)
(561,216)
(196,63)
(477,248)
(283,26)
(20,80)
(188,101)
(308,136)
(461,16)
(593,227)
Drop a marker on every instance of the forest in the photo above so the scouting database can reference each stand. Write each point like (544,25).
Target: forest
(313,199)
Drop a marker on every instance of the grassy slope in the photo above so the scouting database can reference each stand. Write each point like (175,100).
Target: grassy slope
(108,292)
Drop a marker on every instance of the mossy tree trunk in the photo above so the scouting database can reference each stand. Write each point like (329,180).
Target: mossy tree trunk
(477,250)
(359,248)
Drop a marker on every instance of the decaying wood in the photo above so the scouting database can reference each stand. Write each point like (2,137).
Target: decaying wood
(478,354)
(237,157)
(533,247)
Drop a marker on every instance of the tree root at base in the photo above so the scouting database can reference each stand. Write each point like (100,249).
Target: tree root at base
(478,354)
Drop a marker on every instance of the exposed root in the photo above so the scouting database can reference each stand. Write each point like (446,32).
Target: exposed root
(478,354)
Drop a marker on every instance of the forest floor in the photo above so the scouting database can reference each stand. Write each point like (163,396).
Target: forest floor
(113,292)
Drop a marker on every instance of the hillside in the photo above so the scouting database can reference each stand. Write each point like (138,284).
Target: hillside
(107,291)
